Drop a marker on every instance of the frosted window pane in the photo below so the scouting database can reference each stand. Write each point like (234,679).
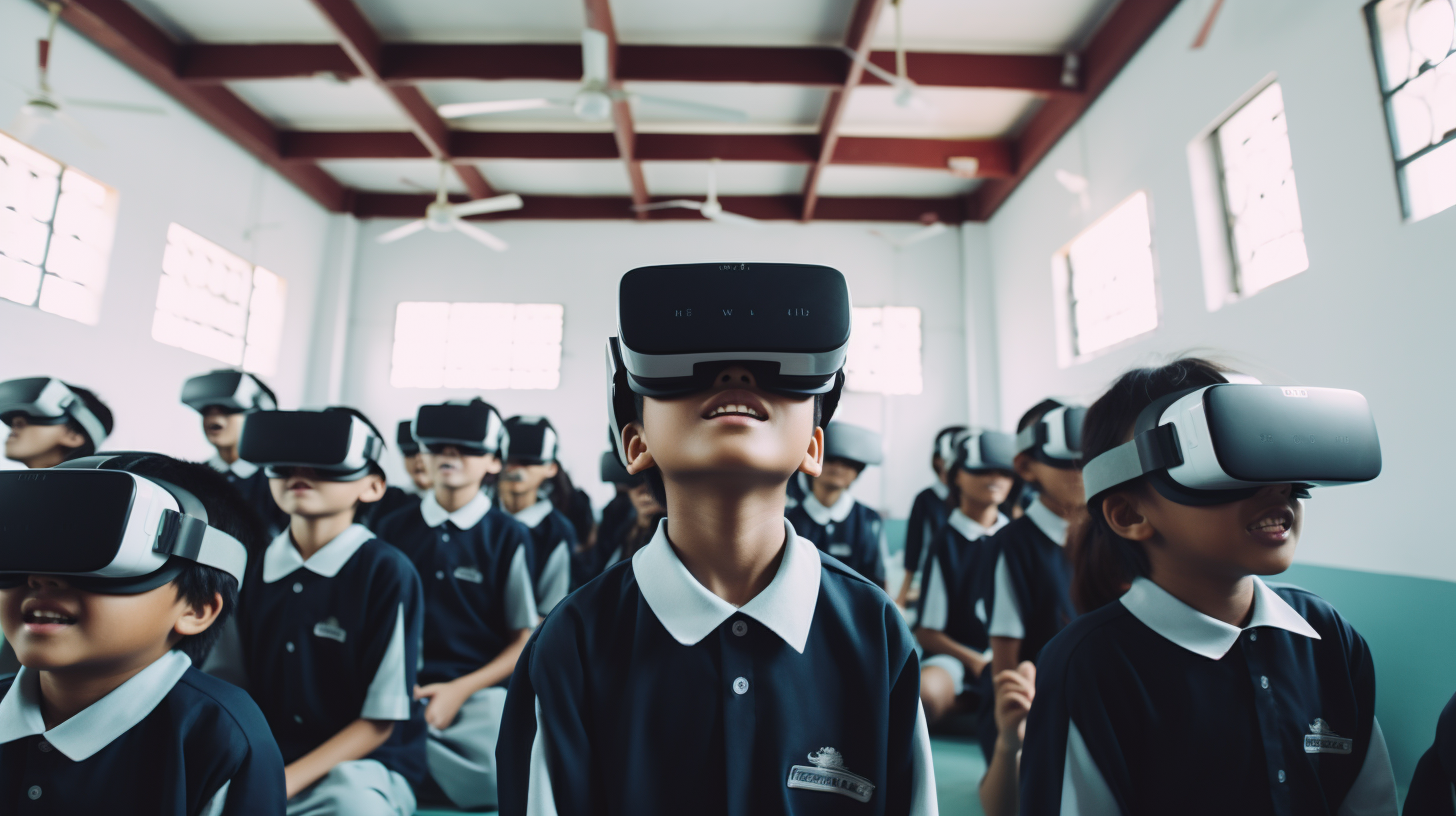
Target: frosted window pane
(484,346)
(1415,40)
(67,299)
(884,351)
(19,282)
(1431,182)
(1113,291)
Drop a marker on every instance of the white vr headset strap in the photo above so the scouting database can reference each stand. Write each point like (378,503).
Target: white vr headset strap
(1145,453)
(71,404)
(208,545)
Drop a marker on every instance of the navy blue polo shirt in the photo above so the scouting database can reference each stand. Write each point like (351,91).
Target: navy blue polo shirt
(848,531)
(1432,792)
(553,541)
(170,741)
(333,639)
(478,591)
(644,693)
(927,515)
(957,589)
(1033,591)
(395,499)
(1147,706)
(252,483)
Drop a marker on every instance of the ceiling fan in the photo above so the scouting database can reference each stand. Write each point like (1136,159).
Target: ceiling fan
(593,101)
(906,91)
(709,207)
(931,227)
(442,216)
(43,106)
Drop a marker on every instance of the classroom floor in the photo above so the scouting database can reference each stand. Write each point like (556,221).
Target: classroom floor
(958,769)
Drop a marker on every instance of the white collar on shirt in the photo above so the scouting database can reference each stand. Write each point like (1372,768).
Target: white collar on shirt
(1052,525)
(535,514)
(940,490)
(240,468)
(690,612)
(1197,632)
(824,515)
(464,518)
(100,723)
(281,558)
(972,530)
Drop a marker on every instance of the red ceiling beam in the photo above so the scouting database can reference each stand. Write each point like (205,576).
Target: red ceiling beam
(857,40)
(1119,37)
(599,17)
(769,208)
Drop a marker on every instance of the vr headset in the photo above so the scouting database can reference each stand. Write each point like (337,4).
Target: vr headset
(48,401)
(532,439)
(981,451)
(845,441)
(1221,443)
(1056,438)
(945,443)
(135,535)
(679,325)
(340,446)
(233,391)
(475,427)
(404,439)
(614,473)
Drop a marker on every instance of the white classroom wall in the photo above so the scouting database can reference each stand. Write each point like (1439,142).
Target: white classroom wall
(578,263)
(172,168)
(1372,313)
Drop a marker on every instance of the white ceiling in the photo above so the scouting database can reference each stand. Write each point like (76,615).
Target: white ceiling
(990,26)
(322,104)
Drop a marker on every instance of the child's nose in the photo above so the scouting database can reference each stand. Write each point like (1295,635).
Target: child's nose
(736,376)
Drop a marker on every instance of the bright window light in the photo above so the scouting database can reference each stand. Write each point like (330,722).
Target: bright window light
(214,303)
(487,346)
(56,226)
(884,351)
(1106,281)
(1415,50)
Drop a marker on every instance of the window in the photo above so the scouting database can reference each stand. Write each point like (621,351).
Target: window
(214,303)
(1414,41)
(1107,291)
(477,345)
(56,225)
(884,350)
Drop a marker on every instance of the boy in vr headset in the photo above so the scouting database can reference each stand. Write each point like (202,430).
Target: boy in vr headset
(224,399)
(712,672)
(329,623)
(830,517)
(480,602)
(108,610)
(51,421)
(531,463)
(396,498)
(928,513)
(414,462)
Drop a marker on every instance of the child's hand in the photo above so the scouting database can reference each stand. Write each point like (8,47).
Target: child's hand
(445,702)
(1014,693)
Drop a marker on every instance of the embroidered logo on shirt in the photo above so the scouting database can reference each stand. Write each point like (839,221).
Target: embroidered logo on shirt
(329,629)
(1323,740)
(470,574)
(829,774)
(840,550)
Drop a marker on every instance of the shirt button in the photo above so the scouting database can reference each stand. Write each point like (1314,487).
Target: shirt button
(740,686)
(289,646)
(1281,776)
(444,536)
(439,575)
(1253,636)
(297,587)
(34,792)
(1264,681)
(740,628)
(298,719)
(45,747)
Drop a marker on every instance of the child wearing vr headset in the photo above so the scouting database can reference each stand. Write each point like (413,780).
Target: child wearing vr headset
(956,588)
(530,465)
(108,610)
(1202,689)
(224,399)
(830,517)
(51,421)
(928,513)
(479,599)
(395,498)
(714,670)
(328,631)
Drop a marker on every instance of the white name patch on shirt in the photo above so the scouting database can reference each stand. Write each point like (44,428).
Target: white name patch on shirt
(829,774)
(840,550)
(330,629)
(1321,739)
(470,574)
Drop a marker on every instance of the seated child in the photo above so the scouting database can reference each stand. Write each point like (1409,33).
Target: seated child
(479,600)
(1433,788)
(529,465)
(51,421)
(728,667)
(225,398)
(956,595)
(108,714)
(370,515)
(927,514)
(628,522)
(329,621)
(829,516)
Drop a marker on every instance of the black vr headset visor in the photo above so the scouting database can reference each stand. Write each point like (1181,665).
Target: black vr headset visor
(404,438)
(533,440)
(613,472)
(475,428)
(136,533)
(337,445)
(1056,438)
(48,401)
(984,451)
(233,391)
(1221,443)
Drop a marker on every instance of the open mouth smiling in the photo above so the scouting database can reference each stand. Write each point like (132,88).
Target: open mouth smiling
(736,403)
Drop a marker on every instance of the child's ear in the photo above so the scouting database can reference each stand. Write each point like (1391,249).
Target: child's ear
(813,463)
(1125,517)
(493,464)
(373,489)
(634,442)
(72,438)
(197,617)
(552,469)
(1022,465)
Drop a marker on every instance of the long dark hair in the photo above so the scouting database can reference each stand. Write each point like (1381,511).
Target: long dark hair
(1104,563)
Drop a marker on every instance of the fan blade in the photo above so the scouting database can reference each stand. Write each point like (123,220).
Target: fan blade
(458,110)
(26,124)
(725,217)
(79,130)
(683,203)
(880,73)
(922,234)
(401,232)
(480,235)
(117,106)
(481,206)
(705,111)
(595,59)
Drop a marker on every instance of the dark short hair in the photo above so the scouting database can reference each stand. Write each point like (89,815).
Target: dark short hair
(941,434)
(95,406)
(1036,412)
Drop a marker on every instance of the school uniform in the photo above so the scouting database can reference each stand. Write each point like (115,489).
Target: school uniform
(644,693)
(927,515)
(957,592)
(478,595)
(553,540)
(1431,790)
(617,517)
(330,640)
(848,531)
(252,483)
(395,499)
(1147,706)
(1033,592)
(170,741)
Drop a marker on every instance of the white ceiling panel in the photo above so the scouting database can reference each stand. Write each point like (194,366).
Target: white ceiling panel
(543,119)
(940,113)
(322,104)
(596,177)
(994,26)
(391,176)
(774,108)
(894,182)
(230,21)
(472,21)
(743,22)
(690,179)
